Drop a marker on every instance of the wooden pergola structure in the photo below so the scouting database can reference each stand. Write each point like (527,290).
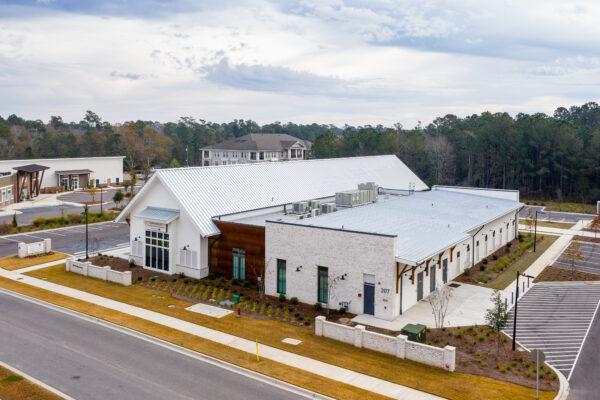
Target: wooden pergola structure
(28,176)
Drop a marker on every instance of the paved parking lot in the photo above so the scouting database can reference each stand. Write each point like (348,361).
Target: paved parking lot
(555,317)
(71,240)
(591,259)
(554,216)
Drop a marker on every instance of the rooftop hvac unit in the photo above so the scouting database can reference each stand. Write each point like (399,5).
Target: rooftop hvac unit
(327,208)
(314,204)
(315,212)
(300,207)
(348,198)
(372,188)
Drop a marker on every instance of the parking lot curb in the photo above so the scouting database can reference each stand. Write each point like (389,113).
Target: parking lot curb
(564,389)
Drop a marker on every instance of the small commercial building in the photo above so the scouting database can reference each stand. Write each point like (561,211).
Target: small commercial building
(32,177)
(256,148)
(362,233)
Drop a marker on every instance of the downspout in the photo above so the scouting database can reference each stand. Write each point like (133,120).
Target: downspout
(401,282)
(473,246)
(210,252)
(517,222)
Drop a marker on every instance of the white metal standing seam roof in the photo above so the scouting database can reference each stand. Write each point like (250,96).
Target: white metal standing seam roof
(206,192)
(425,223)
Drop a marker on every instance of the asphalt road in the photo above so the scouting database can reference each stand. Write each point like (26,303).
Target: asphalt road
(554,216)
(87,361)
(584,378)
(71,240)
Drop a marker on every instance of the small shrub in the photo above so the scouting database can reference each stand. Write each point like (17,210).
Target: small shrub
(527,364)
(482,267)
(211,276)
(308,319)
(290,309)
(513,364)
(444,329)
(342,310)
(459,334)
(131,264)
(541,375)
(520,358)
(450,333)
(246,285)
(528,374)
(475,341)
(296,315)
(478,354)
(554,376)
(504,340)
(234,281)
(497,366)
(294,301)
(481,338)
(509,244)
(306,323)
(318,306)
(282,298)
(495,256)
(181,275)
(139,278)
(516,372)
(427,329)
(484,261)
(300,318)
(484,364)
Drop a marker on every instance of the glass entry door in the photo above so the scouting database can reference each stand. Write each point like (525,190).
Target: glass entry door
(157,250)
(239,264)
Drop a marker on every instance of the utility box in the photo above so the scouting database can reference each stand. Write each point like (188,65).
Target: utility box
(415,332)
(236,298)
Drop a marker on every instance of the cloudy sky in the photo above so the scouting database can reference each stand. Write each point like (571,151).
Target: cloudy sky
(328,61)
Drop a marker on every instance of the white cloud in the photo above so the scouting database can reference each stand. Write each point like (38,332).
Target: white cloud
(328,61)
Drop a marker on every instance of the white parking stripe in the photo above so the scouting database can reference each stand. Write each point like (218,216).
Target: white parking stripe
(555,318)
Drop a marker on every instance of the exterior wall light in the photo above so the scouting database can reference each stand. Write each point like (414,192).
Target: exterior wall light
(298,268)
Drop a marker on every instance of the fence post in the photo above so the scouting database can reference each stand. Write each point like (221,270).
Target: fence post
(449,358)
(319,321)
(358,335)
(401,346)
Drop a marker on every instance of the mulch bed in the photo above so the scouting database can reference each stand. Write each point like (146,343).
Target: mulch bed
(471,274)
(213,291)
(90,203)
(556,274)
(587,239)
(477,353)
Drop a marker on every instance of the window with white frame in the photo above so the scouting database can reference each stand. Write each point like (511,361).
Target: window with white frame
(157,250)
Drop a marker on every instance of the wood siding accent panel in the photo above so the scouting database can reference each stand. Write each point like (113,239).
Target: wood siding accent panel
(247,237)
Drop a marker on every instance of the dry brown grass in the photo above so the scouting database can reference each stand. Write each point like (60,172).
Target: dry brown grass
(21,389)
(403,372)
(12,263)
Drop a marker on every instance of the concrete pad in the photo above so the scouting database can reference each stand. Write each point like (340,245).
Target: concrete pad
(293,342)
(467,306)
(211,311)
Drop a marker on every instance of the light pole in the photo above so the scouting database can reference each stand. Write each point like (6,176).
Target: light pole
(514,339)
(535,231)
(86,231)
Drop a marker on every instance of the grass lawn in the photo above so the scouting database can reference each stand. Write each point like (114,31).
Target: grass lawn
(404,372)
(15,387)
(559,225)
(521,264)
(12,263)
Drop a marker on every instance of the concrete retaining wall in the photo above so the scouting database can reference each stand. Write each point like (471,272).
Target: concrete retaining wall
(35,248)
(398,346)
(103,273)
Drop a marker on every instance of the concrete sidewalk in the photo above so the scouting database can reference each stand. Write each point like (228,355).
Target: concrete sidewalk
(333,372)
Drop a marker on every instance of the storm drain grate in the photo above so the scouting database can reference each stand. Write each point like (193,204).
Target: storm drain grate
(455,285)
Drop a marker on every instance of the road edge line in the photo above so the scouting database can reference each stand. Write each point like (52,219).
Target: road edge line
(174,347)
(36,381)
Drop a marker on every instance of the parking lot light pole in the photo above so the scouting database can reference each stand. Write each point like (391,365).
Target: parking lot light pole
(514,338)
(86,232)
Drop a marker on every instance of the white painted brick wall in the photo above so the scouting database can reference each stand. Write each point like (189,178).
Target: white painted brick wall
(398,346)
(103,273)
(341,252)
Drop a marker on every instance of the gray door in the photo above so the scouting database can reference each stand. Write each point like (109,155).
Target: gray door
(445,270)
(369,291)
(432,278)
(420,286)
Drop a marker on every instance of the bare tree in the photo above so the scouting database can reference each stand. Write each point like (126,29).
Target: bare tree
(438,301)
(442,158)
(573,254)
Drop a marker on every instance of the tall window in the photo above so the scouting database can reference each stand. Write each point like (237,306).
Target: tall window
(253,155)
(261,155)
(322,285)
(157,250)
(281,264)
(239,264)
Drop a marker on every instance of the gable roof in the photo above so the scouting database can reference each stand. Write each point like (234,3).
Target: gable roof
(260,141)
(206,192)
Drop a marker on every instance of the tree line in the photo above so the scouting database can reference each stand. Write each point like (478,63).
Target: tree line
(544,156)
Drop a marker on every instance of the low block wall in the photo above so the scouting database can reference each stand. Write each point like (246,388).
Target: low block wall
(103,273)
(398,346)
(35,248)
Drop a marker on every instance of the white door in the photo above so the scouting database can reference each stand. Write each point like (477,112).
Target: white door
(75,182)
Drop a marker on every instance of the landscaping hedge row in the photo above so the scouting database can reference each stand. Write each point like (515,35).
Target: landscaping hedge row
(56,222)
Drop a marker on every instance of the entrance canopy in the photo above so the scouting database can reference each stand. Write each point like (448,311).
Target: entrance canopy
(28,180)
(156,214)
